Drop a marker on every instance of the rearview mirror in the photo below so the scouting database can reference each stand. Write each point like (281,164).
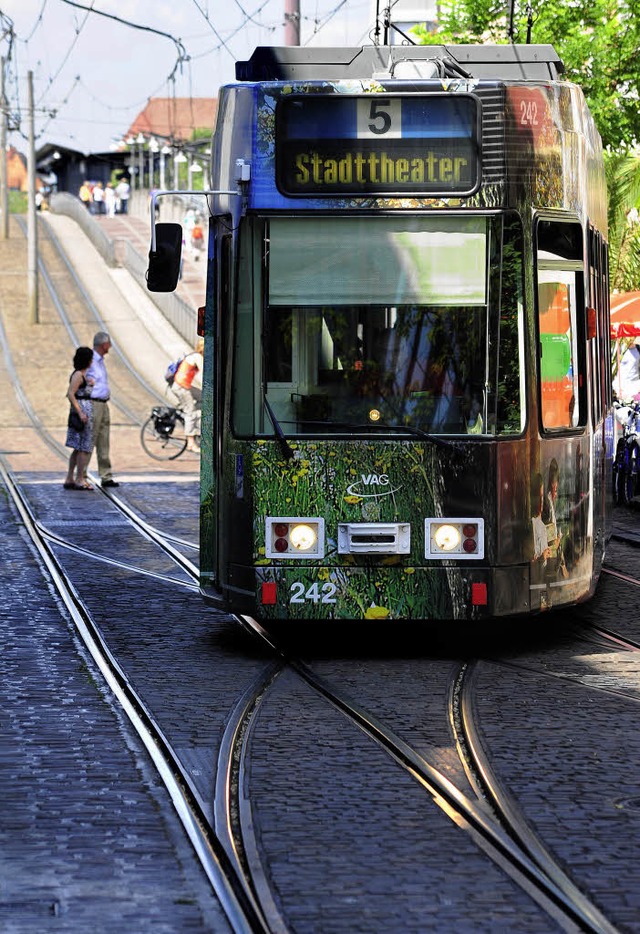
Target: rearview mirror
(164,262)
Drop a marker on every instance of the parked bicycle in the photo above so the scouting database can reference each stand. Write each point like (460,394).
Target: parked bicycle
(162,435)
(626,465)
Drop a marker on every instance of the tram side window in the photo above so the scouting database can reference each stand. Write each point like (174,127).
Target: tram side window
(507,329)
(560,296)
(245,350)
(599,345)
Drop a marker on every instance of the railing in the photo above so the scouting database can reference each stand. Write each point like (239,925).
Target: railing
(63,203)
(179,314)
(182,316)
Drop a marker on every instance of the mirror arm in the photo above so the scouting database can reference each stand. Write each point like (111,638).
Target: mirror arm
(161,194)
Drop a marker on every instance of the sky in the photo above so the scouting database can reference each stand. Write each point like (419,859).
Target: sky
(93,74)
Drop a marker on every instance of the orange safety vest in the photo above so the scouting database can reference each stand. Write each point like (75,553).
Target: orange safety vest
(185,374)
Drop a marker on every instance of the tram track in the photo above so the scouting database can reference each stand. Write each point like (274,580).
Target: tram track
(187,801)
(499,832)
(489,834)
(483,827)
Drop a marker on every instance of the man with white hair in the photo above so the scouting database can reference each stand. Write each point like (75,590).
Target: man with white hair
(100,394)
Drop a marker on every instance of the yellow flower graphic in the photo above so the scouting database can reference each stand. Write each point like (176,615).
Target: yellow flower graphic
(376,612)
(352,500)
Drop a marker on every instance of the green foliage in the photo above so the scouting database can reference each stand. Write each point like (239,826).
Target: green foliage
(623,183)
(17,202)
(598,41)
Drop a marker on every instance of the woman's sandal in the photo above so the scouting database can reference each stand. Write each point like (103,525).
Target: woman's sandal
(77,486)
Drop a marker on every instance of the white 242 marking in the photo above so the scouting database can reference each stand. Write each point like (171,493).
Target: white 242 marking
(315,593)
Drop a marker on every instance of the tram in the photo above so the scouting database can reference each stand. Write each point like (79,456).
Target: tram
(407,395)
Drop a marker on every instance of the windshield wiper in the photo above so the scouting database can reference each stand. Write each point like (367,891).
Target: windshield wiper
(378,427)
(419,432)
(283,444)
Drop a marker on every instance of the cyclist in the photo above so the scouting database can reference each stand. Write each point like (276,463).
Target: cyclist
(187,385)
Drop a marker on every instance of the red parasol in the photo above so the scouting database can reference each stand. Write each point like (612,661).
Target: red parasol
(625,315)
(625,320)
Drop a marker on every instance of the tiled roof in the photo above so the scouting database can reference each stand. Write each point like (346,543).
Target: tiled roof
(175,117)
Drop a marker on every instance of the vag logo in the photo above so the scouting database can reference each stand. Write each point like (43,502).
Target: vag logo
(377,482)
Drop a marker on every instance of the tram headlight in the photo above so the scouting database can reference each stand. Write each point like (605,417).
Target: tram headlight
(459,539)
(303,537)
(294,537)
(446,537)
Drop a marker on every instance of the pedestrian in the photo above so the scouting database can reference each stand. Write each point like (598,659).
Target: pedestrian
(85,195)
(110,200)
(123,190)
(98,198)
(627,381)
(187,229)
(100,395)
(187,385)
(79,435)
(197,237)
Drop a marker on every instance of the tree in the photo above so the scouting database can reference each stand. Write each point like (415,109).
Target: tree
(598,41)
(623,184)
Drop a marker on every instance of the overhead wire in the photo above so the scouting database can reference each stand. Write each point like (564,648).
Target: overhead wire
(249,17)
(329,16)
(182,53)
(223,44)
(37,22)
(69,51)
(52,113)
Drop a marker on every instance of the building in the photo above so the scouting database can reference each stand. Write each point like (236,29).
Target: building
(16,170)
(174,119)
(166,126)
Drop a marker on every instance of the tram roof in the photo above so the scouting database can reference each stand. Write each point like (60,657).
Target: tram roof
(502,62)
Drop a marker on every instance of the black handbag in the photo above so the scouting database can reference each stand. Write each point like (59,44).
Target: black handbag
(74,421)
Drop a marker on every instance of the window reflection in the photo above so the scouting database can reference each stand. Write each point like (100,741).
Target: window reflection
(411,322)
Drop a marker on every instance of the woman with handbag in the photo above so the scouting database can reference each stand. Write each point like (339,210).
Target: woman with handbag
(79,423)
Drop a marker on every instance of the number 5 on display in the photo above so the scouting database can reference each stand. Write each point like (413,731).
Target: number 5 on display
(379,117)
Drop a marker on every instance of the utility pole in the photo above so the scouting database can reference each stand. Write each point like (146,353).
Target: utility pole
(4,196)
(32,230)
(292,22)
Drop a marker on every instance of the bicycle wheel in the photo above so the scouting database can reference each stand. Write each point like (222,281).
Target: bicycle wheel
(619,472)
(633,465)
(163,445)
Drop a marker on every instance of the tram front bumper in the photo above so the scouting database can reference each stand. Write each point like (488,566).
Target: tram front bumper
(386,590)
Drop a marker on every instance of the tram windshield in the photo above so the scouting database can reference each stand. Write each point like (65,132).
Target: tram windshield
(390,323)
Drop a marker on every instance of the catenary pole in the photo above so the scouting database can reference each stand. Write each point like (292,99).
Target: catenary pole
(4,196)
(32,230)
(292,22)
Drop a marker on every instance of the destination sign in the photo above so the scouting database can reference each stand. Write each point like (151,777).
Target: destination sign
(396,144)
